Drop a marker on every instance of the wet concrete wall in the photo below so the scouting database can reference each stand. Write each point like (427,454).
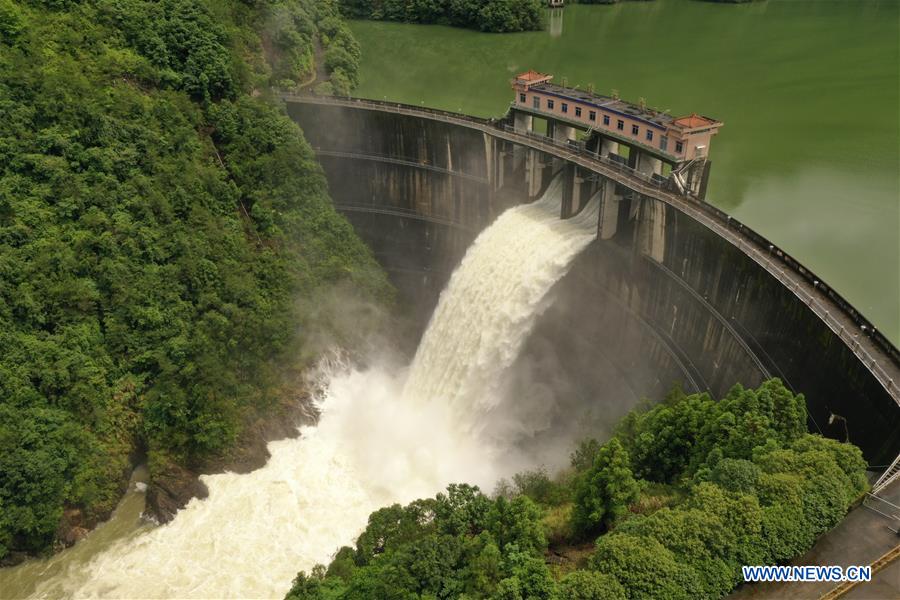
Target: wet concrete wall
(664,300)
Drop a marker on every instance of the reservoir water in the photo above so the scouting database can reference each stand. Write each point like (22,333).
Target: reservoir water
(809,91)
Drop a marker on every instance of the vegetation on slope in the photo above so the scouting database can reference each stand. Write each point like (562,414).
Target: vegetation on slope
(484,15)
(670,507)
(159,219)
(300,34)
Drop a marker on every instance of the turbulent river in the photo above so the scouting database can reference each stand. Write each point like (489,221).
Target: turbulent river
(386,434)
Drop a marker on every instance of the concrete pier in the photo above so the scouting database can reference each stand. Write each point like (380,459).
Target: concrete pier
(607,147)
(652,229)
(523,122)
(609,210)
(561,132)
(648,164)
(534,169)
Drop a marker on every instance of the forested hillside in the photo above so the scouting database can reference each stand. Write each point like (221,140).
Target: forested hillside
(670,507)
(159,219)
(484,15)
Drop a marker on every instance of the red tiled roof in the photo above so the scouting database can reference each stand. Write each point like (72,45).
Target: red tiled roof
(692,121)
(532,75)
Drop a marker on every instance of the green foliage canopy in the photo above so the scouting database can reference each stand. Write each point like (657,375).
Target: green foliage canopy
(484,15)
(157,225)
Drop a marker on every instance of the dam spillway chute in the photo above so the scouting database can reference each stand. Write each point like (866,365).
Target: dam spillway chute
(488,308)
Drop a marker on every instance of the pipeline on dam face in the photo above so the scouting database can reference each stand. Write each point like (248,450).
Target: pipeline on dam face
(386,434)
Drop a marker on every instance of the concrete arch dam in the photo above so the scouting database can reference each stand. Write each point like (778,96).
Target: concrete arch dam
(671,291)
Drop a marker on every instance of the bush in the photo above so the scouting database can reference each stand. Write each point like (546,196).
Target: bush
(12,21)
(591,585)
(605,491)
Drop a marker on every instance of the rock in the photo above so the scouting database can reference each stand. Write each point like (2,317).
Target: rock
(73,517)
(555,558)
(15,557)
(171,490)
(72,528)
(74,535)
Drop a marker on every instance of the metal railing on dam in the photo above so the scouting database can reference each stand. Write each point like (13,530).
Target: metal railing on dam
(869,345)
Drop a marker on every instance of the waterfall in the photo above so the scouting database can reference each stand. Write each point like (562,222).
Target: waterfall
(386,435)
(490,304)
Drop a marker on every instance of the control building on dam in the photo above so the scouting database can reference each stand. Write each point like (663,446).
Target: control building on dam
(672,290)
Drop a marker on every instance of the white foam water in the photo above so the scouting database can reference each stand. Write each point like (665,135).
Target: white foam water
(490,305)
(385,435)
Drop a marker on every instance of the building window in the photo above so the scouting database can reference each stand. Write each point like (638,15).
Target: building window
(634,130)
(577,111)
(592,115)
(664,143)
(620,125)
(679,147)
(606,119)
(522,98)
(537,102)
(565,107)
(550,104)
(649,136)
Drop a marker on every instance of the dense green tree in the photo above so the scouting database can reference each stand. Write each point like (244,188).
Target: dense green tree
(785,531)
(157,226)
(12,21)
(510,15)
(604,492)
(675,438)
(529,578)
(462,510)
(582,457)
(644,567)
(42,451)
(590,585)
(517,522)
(298,34)
(486,15)
(538,486)
(392,527)
(735,474)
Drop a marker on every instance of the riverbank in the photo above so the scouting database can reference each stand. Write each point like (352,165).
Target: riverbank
(173,485)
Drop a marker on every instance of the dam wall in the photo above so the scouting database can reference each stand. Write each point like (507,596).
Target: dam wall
(660,298)
(417,191)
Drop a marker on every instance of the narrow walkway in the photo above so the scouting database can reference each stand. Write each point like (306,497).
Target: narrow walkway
(318,72)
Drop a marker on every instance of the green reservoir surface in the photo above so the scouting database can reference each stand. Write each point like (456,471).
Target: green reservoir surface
(808,89)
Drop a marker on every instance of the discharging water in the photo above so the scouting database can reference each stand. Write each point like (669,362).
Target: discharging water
(386,435)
